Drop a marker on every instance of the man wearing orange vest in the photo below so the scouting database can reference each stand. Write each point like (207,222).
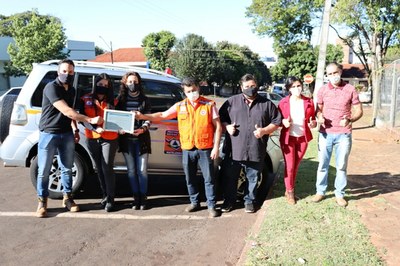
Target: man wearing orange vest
(200,133)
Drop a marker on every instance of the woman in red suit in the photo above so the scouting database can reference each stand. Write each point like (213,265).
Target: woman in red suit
(298,115)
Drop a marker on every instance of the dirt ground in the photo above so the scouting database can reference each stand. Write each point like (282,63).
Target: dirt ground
(374,184)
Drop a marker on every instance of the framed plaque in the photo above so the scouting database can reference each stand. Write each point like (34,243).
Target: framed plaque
(115,120)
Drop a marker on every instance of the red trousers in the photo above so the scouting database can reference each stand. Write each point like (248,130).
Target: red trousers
(293,153)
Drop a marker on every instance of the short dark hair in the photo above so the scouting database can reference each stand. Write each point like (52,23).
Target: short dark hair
(290,80)
(67,61)
(247,77)
(189,82)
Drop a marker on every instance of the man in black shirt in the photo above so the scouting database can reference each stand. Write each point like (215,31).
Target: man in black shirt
(248,119)
(58,133)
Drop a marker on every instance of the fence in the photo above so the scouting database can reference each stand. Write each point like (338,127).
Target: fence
(389,108)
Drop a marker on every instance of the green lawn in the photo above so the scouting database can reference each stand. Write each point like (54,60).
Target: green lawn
(311,233)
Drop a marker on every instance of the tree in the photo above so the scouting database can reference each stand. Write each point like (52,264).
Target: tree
(98,50)
(368,27)
(157,47)
(194,57)
(37,38)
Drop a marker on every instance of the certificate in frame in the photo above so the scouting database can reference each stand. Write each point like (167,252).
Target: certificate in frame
(115,120)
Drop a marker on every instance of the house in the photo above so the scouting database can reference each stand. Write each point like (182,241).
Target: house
(124,56)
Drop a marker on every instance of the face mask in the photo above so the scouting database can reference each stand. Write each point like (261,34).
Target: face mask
(133,87)
(193,96)
(65,78)
(295,91)
(335,80)
(250,92)
(101,90)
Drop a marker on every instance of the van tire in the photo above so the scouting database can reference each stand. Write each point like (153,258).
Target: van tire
(55,187)
(6,106)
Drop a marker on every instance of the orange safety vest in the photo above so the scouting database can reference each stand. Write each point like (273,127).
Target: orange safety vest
(90,108)
(195,125)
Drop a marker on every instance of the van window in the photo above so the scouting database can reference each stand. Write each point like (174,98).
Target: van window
(37,96)
(162,95)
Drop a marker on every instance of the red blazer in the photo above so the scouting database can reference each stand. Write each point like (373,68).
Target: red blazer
(284,108)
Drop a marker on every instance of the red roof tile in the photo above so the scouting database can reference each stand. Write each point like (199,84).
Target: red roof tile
(123,55)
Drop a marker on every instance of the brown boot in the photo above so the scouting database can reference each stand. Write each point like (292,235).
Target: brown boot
(68,202)
(41,211)
(290,197)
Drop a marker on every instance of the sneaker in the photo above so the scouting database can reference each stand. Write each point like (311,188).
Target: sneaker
(249,208)
(143,202)
(341,202)
(136,202)
(212,213)
(109,207)
(227,207)
(69,203)
(192,208)
(41,211)
(317,198)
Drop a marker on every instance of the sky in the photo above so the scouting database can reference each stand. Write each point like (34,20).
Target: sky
(124,23)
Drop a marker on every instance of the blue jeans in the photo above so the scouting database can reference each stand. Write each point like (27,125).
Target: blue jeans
(231,174)
(49,145)
(137,167)
(326,143)
(190,159)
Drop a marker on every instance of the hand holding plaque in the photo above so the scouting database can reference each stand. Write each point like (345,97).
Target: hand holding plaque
(118,121)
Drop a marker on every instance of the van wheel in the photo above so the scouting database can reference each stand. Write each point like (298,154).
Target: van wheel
(55,185)
(6,106)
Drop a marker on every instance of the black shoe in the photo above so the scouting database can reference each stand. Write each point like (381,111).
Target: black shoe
(192,208)
(227,207)
(249,208)
(109,207)
(143,202)
(136,202)
(212,213)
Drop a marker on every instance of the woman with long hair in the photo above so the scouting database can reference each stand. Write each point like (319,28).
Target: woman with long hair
(135,147)
(298,116)
(102,144)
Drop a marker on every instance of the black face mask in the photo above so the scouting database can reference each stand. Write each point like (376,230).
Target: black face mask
(101,90)
(65,78)
(133,87)
(250,92)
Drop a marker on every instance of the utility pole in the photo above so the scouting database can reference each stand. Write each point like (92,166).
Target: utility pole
(111,49)
(319,80)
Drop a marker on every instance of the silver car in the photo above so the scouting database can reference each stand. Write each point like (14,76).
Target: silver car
(20,146)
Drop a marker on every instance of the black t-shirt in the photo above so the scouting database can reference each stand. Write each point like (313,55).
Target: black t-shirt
(52,120)
(262,112)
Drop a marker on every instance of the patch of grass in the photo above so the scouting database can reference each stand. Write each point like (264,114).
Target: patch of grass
(311,233)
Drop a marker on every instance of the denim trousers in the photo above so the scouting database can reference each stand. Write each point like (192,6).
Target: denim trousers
(342,145)
(49,145)
(103,153)
(137,167)
(231,170)
(190,160)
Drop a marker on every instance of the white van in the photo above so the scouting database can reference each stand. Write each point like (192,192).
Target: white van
(20,146)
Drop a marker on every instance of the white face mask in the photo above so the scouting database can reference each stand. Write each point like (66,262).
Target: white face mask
(334,80)
(296,91)
(192,96)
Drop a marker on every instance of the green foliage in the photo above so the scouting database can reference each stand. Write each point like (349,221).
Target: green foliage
(98,50)
(37,38)
(235,61)
(301,58)
(194,57)
(286,21)
(157,47)
(392,54)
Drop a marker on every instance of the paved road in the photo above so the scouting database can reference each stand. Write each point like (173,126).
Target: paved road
(163,235)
